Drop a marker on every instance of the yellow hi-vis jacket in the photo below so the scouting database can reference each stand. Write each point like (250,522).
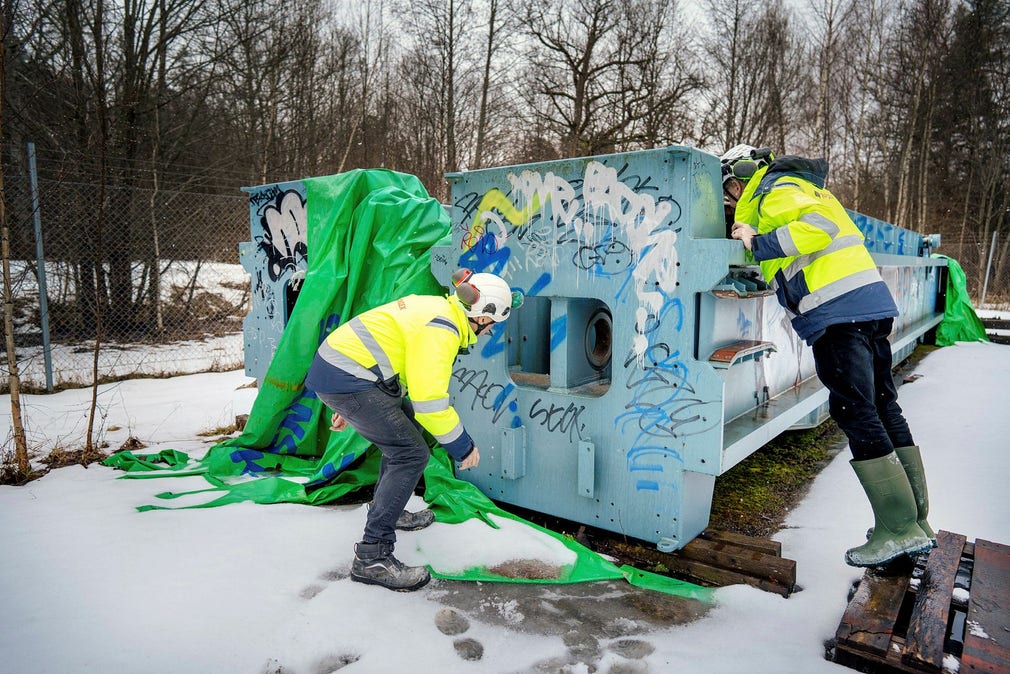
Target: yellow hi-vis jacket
(405,347)
(809,249)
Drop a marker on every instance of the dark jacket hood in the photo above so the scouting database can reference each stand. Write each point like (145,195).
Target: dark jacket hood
(811,170)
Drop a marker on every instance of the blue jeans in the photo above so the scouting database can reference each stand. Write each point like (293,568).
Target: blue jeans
(853,361)
(387,421)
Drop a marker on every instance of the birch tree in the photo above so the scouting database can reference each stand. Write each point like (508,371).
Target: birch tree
(759,83)
(22,466)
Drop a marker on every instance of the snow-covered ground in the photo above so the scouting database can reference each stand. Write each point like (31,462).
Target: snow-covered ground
(88,584)
(72,362)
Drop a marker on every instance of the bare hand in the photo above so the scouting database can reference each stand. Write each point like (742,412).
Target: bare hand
(745,233)
(471,460)
(337,422)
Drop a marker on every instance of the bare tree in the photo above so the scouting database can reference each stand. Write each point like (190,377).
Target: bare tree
(373,72)
(495,26)
(666,78)
(855,102)
(440,75)
(604,67)
(99,86)
(972,135)
(760,82)
(830,21)
(20,442)
(908,95)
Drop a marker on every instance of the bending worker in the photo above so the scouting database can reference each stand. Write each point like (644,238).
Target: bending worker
(364,371)
(813,255)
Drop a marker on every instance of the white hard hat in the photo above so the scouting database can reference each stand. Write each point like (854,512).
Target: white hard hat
(738,152)
(485,295)
(742,161)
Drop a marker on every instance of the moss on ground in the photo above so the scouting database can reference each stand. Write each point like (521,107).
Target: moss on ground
(754,496)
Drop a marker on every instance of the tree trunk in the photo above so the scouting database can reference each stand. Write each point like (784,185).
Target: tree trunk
(155,264)
(103,134)
(485,85)
(17,426)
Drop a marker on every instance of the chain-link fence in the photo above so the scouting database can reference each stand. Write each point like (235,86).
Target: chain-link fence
(985,260)
(995,274)
(152,274)
(988,281)
(168,295)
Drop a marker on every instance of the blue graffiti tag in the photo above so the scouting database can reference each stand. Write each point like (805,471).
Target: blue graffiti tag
(663,404)
(486,256)
(294,424)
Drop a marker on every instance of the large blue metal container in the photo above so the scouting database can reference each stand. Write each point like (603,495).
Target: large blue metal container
(649,358)
(274,258)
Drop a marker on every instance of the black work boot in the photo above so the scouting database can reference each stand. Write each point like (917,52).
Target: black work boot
(375,564)
(408,521)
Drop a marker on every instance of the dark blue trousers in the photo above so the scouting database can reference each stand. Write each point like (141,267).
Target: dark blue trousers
(387,421)
(853,361)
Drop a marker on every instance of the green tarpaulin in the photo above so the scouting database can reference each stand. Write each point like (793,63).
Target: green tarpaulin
(286,452)
(960,322)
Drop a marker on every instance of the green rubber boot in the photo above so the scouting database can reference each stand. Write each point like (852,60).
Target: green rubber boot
(911,461)
(895,530)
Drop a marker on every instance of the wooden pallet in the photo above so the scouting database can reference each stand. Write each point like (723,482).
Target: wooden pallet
(718,558)
(951,612)
(994,324)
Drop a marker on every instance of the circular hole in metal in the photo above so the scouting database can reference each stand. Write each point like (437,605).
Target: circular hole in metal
(599,339)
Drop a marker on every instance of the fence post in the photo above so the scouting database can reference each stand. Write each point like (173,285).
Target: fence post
(988,266)
(40,259)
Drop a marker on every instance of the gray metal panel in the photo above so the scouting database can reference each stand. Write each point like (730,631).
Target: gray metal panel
(277,213)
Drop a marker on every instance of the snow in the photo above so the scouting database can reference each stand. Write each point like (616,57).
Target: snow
(88,584)
(73,361)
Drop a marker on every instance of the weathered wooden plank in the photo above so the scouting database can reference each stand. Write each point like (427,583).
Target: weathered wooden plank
(708,574)
(927,627)
(765,545)
(742,560)
(868,621)
(697,571)
(987,628)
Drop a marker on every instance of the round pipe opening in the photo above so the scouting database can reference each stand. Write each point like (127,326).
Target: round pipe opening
(599,339)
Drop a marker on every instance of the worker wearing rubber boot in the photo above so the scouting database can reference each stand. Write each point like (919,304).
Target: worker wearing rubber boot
(813,255)
(366,369)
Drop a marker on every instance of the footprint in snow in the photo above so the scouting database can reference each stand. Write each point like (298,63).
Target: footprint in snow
(451,622)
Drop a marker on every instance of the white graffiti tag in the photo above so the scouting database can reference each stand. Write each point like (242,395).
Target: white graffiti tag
(284,233)
(640,219)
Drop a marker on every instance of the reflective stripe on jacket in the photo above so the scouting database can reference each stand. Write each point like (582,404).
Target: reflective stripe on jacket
(408,347)
(809,249)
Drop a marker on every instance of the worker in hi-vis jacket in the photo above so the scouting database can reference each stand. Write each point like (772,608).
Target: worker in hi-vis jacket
(814,257)
(386,374)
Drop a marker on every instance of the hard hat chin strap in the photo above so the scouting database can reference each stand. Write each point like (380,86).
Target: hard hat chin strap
(478,328)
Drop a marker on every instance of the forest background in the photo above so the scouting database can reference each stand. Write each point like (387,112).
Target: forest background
(146,117)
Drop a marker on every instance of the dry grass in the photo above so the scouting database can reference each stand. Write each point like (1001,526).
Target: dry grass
(530,569)
(61,457)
